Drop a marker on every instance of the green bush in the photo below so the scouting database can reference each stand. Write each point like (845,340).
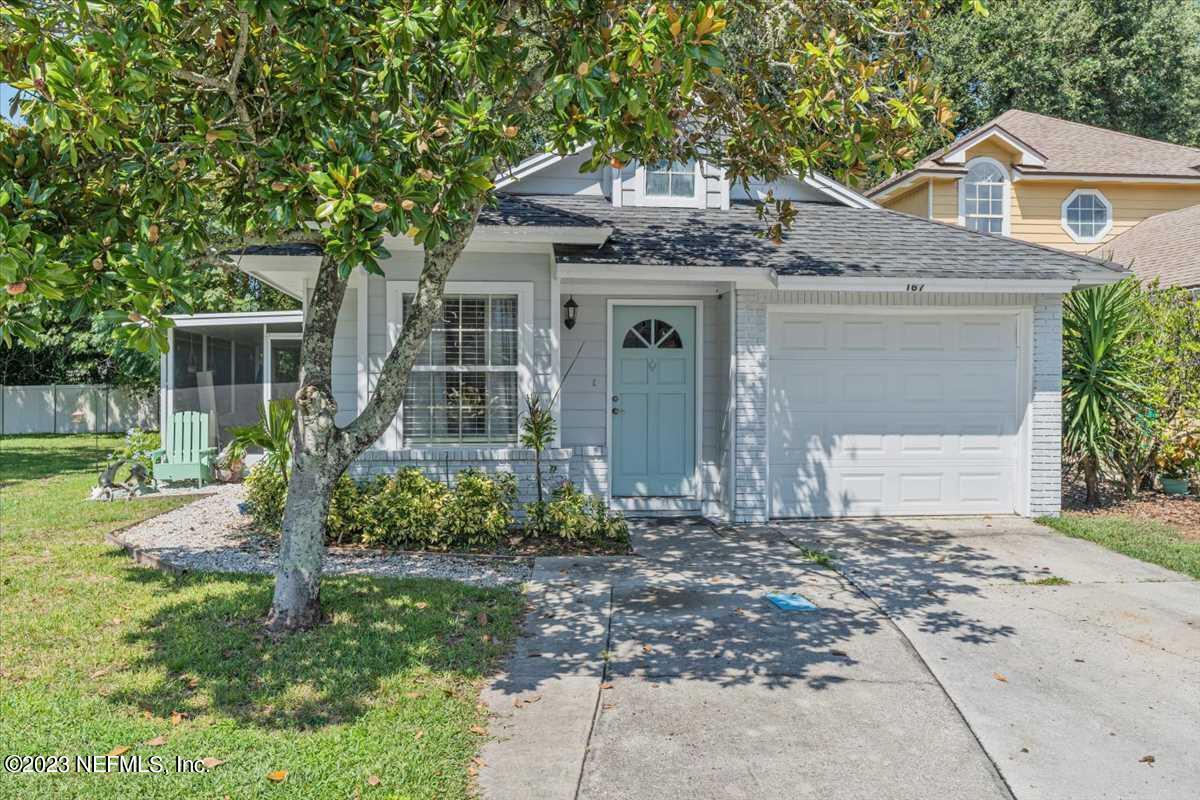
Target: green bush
(480,509)
(405,510)
(401,510)
(266,491)
(574,516)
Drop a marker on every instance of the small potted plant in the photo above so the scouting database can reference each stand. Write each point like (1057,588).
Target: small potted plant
(1176,462)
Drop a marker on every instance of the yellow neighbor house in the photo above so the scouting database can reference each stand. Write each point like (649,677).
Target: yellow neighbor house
(1062,184)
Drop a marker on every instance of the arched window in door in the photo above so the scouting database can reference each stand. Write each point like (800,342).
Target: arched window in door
(652,333)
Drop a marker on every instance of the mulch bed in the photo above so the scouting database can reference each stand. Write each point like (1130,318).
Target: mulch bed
(1181,513)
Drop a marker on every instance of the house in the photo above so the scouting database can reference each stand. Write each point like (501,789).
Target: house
(1063,184)
(1163,248)
(870,364)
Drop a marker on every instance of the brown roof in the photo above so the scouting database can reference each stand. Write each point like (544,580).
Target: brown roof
(1073,148)
(1166,247)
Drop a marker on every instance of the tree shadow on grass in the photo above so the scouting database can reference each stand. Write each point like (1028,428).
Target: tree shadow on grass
(23,459)
(207,653)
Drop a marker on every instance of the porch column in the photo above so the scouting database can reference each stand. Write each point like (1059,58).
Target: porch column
(750,409)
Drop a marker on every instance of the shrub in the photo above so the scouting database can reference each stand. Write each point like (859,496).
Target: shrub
(574,516)
(479,511)
(401,510)
(405,510)
(266,492)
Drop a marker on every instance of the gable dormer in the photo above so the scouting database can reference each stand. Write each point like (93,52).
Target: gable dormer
(694,184)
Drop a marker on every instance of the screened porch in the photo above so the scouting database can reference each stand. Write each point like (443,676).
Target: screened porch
(228,365)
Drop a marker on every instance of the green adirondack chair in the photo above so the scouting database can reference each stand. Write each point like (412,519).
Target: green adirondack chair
(187,456)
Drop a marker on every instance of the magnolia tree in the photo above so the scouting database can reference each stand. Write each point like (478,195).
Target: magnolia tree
(153,140)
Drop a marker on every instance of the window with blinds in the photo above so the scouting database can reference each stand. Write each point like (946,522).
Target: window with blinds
(463,388)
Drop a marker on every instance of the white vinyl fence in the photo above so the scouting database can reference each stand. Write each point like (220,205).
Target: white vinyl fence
(63,408)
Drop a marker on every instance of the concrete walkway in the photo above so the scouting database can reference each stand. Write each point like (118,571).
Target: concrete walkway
(1067,687)
(934,668)
(669,676)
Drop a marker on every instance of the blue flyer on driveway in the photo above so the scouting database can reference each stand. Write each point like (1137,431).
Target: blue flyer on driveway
(791,602)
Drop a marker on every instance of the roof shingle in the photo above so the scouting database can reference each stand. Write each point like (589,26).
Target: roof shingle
(825,240)
(1165,247)
(1071,148)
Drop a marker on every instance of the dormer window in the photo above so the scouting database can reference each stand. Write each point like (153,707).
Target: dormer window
(983,197)
(671,179)
(671,183)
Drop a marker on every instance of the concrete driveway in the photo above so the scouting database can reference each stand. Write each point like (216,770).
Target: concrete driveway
(934,668)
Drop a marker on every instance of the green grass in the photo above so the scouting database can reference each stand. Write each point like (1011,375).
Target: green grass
(1142,539)
(97,654)
(1049,580)
(818,557)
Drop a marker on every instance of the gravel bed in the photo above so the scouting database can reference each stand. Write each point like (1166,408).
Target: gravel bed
(213,535)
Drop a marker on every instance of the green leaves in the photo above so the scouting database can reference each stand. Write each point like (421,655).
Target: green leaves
(158,135)
(1099,368)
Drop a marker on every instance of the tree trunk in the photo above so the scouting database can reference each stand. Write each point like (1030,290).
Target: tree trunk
(1091,479)
(321,451)
(297,601)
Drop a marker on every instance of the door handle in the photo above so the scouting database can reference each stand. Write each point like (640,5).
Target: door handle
(617,411)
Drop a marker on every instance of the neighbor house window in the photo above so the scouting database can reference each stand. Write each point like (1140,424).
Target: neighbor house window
(463,388)
(671,179)
(1087,215)
(984,205)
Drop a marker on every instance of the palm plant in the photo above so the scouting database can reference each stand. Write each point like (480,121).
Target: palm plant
(272,432)
(1100,372)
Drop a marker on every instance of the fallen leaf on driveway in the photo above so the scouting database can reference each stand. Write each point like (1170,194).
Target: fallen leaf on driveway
(1146,760)
(209,762)
(157,741)
(607,706)
(999,677)
(373,780)
(118,751)
(278,776)
(479,730)
(606,686)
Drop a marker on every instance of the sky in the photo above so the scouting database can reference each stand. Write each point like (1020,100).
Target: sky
(6,95)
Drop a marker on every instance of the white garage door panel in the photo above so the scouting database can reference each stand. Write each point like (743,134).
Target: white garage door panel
(893,414)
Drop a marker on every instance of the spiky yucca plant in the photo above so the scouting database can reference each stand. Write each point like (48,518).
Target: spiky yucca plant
(1099,372)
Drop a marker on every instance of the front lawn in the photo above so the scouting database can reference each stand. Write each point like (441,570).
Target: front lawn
(98,655)
(1144,539)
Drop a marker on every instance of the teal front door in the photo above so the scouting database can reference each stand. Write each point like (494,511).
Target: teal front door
(653,402)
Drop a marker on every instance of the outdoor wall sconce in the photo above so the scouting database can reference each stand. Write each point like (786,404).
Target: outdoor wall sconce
(571,307)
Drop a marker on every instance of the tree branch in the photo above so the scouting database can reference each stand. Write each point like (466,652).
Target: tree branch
(392,382)
(229,83)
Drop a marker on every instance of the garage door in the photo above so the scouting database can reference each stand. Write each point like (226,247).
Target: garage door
(892,414)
